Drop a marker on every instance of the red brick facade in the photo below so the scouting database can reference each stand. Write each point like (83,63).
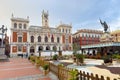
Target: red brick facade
(63,39)
(85,37)
(14,48)
(15,39)
(24,49)
(24,36)
(70,39)
(14,36)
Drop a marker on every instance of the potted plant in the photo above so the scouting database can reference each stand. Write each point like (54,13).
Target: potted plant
(80,58)
(118,58)
(107,59)
(73,74)
(74,57)
(46,69)
(37,61)
(32,59)
(55,57)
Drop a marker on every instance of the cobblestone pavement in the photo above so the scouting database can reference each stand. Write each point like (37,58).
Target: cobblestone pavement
(31,77)
(22,69)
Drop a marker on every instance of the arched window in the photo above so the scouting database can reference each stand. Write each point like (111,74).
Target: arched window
(15,25)
(20,26)
(52,39)
(40,48)
(54,48)
(59,48)
(32,49)
(39,38)
(24,26)
(46,39)
(58,39)
(32,39)
(66,30)
(63,30)
(48,48)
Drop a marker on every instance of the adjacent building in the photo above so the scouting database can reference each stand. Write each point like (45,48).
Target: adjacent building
(115,35)
(27,38)
(87,36)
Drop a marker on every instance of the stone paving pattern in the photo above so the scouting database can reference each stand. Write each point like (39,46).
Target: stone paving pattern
(22,69)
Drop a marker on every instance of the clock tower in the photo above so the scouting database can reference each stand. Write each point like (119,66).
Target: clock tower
(45,19)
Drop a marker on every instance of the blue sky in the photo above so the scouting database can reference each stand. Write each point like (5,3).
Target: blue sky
(81,13)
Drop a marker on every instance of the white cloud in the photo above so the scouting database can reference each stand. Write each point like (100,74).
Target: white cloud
(81,13)
(115,24)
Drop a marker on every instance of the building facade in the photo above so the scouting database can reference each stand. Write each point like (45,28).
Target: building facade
(115,35)
(31,39)
(87,36)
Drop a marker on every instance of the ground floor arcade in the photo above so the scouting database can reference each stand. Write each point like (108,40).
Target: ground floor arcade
(102,48)
(33,49)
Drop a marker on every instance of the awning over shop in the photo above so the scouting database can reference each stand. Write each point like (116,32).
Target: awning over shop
(107,44)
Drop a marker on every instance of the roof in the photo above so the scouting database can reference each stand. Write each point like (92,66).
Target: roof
(65,25)
(88,31)
(115,32)
(20,19)
(52,29)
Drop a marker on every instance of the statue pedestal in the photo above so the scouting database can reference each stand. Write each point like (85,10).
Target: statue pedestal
(106,37)
(2,53)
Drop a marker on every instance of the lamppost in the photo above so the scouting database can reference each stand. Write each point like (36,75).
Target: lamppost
(27,49)
(39,50)
(3,31)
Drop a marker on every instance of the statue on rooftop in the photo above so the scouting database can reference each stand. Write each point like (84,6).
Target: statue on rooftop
(104,24)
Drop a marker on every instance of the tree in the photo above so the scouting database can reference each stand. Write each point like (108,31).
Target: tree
(80,58)
(75,48)
(54,49)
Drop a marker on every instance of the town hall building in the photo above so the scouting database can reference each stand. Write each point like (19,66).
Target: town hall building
(31,39)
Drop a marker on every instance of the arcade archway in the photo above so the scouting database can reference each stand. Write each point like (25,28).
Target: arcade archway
(32,49)
(48,48)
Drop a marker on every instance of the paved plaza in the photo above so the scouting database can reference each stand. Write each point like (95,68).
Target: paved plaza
(22,69)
